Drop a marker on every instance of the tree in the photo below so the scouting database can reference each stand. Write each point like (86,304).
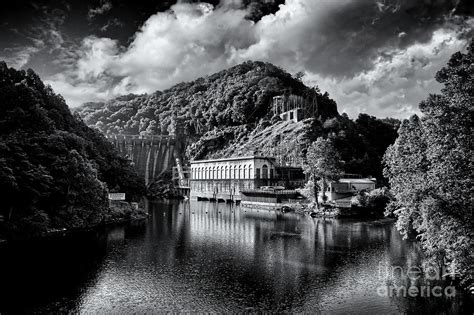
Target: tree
(323,163)
(300,75)
(429,168)
(406,168)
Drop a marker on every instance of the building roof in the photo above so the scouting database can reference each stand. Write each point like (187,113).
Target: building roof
(357,180)
(236,158)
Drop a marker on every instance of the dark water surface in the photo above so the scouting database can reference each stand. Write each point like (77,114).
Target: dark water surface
(217,258)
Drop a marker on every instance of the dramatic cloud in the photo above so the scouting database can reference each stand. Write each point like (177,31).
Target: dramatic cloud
(394,86)
(42,41)
(374,56)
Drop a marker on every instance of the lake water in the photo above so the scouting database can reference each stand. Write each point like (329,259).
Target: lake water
(212,257)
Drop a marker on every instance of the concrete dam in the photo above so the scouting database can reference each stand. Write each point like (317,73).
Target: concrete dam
(151,155)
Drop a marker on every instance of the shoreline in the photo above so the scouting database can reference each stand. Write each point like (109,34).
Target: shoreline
(322,212)
(139,215)
(64,233)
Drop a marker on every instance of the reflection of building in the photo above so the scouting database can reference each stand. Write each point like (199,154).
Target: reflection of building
(224,178)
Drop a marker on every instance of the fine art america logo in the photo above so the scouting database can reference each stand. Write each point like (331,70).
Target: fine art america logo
(415,281)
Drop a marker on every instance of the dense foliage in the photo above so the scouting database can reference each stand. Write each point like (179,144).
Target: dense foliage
(55,171)
(374,201)
(430,168)
(362,143)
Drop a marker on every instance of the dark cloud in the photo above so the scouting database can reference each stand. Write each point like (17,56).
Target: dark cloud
(111,23)
(104,7)
(357,33)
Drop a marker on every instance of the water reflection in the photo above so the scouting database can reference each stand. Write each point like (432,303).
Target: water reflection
(216,258)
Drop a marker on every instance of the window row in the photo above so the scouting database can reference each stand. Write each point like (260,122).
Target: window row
(230,172)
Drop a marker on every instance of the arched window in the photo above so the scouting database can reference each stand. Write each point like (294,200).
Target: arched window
(245,172)
(240,171)
(264,171)
(235,171)
(222,172)
(213,173)
(250,171)
(226,172)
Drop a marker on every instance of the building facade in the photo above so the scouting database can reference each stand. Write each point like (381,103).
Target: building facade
(222,179)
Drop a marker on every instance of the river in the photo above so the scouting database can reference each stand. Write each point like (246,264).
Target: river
(199,256)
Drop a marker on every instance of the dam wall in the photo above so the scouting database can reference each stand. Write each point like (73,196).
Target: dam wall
(151,155)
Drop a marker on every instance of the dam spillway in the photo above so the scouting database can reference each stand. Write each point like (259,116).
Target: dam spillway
(151,155)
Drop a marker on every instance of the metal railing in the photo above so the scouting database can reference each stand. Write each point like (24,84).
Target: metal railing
(270,191)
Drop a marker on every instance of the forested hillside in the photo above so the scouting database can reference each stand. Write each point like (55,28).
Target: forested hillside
(55,172)
(236,96)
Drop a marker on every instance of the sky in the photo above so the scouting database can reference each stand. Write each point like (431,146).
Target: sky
(373,56)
